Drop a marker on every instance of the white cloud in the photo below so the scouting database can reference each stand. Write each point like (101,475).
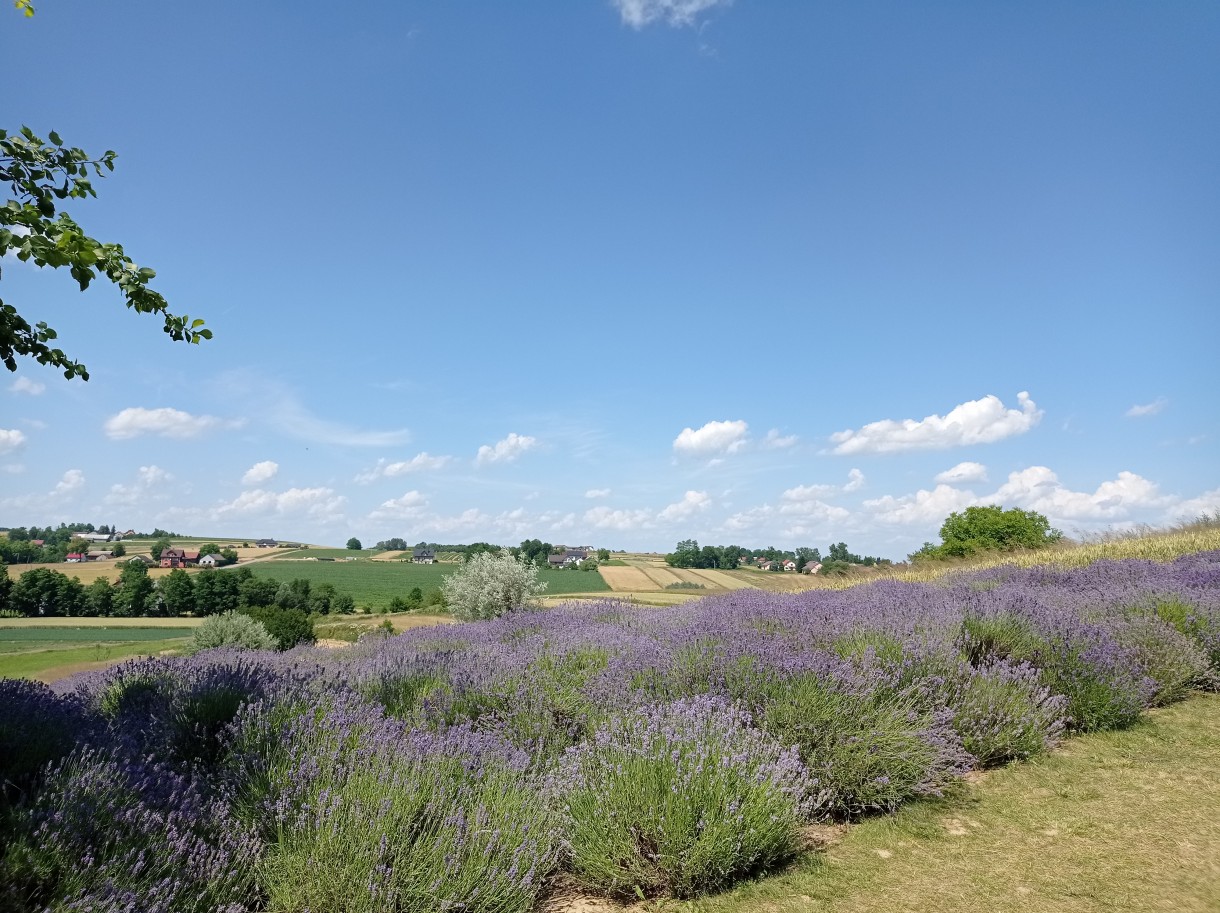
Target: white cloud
(922,507)
(963,472)
(809,492)
(148,480)
(980,421)
(677,13)
(775,441)
(714,437)
(13,468)
(260,472)
(421,462)
(321,503)
(1038,488)
(25,385)
(692,503)
(855,480)
(1152,408)
(506,450)
(605,518)
(597,493)
(1207,503)
(167,422)
(11,439)
(410,506)
(72,480)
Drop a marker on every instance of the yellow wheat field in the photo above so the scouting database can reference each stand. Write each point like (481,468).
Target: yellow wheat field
(626,579)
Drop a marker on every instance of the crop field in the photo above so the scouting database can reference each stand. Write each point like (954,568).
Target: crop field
(626,579)
(373,584)
(339,554)
(86,573)
(32,647)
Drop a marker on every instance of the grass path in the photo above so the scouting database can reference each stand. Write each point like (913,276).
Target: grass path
(1123,821)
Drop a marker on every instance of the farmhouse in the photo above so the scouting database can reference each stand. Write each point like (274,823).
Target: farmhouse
(813,567)
(146,560)
(209,560)
(267,543)
(789,565)
(423,556)
(99,556)
(178,557)
(74,558)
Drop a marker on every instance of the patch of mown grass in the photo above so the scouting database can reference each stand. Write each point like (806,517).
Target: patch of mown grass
(1123,820)
(32,663)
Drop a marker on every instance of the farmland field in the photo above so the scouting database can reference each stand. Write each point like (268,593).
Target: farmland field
(31,647)
(373,584)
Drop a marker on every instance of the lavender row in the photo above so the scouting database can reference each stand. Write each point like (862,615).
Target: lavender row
(641,751)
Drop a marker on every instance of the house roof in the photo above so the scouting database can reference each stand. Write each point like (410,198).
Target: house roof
(423,553)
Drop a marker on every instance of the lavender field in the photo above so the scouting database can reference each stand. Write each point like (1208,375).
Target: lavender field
(635,752)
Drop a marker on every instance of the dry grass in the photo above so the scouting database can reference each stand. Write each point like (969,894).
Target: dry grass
(719,580)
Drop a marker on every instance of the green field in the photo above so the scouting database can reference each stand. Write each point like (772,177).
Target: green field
(16,640)
(339,553)
(374,583)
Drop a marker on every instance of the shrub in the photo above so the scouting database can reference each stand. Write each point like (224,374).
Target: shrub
(231,629)
(1103,684)
(1003,712)
(108,833)
(999,636)
(870,750)
(364,815)
(289,626)
(682,797)
(1175,663)
(36,727)
(488,586)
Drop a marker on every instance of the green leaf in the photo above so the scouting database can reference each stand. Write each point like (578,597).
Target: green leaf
(54,138)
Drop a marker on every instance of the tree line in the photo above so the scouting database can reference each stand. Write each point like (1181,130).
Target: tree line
(838,558)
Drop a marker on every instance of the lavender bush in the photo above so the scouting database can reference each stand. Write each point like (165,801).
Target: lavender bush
(109,833)
(37,727)
(680,798)
(362,813)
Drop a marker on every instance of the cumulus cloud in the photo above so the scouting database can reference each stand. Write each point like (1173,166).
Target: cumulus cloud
(506,450)
(809,492)
(963,472)
(692,503)
(855,480)
(980,421)
(148,480)
(714,437)
(922,507)
(1207,503)
(421,462)
(1038,488)
(73,480)
(411,505)
(260,472)
(318,503)
(597,493)
(605,518)
(25,385)
(1152,408)
(677,13)
(776,441)
(11,439)
(166,422)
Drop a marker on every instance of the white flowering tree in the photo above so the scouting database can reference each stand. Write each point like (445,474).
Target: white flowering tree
(490,585)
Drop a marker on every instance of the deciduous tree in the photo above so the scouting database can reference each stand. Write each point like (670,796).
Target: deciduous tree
(39,174)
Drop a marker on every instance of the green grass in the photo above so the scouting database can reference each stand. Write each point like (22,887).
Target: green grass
(337,553)
(33,663)
(1116,821)
(16,640)
(559,583)
(372,584)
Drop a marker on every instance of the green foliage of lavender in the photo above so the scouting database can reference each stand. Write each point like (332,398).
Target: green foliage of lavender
(645,750)
(680,798)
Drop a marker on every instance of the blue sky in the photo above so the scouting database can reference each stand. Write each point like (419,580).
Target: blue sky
(624,273)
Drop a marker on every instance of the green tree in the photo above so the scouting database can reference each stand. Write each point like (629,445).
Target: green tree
(118,550)
(289,627)
(354,544)
(99,597)
(991,528)
(210,548)
(177,591)
(38,174)
(158,547)
(134,592)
